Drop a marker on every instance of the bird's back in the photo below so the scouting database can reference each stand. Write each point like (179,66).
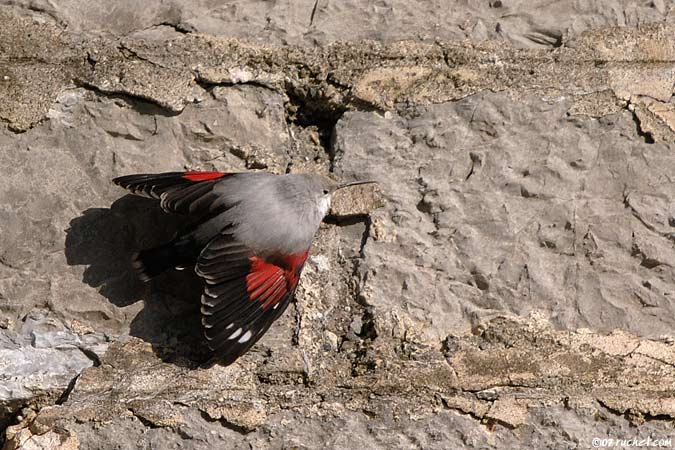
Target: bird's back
(268,213)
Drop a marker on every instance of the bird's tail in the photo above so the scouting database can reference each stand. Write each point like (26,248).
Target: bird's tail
(176,254)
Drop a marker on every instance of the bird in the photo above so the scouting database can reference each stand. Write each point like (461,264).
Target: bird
(251,240)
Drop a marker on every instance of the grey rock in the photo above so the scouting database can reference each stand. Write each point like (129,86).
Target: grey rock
(319,84)
(476,398)
(519,22)
(512,208)
(39,362)
(508,283)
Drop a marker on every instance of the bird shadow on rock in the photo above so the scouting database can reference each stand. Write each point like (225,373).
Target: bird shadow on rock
(104,239)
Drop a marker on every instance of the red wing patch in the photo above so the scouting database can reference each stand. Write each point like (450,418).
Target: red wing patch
(243,294)
(269,283)
(203,176)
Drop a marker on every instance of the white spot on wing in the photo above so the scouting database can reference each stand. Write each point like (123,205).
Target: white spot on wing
(235,334)
(245,337)
(162,199)
(229,326)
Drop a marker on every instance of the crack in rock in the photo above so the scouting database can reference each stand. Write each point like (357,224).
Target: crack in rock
(341,76)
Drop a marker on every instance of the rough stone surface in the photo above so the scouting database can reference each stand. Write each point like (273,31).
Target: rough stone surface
(509,283)
(498,206)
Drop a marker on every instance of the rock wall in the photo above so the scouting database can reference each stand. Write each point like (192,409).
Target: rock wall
(509,284)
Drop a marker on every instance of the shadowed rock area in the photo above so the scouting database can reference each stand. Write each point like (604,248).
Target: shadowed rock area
(509,283)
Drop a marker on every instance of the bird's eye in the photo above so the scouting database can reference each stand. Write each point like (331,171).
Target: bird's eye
(325,191)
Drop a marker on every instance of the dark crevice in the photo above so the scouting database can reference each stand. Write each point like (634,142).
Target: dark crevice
(471,414)
(142,104)
(229,425)
(308,106)
(491,422)
(66,393)
(183,434)
(307,370)
(346,221)
(645,261)
(147,423)
(549,38)
(92,60)
(13,413)
(527,194)
(362,363)
(470,173)
(178,27)
(635,416)
(427,207)
(295,339)
(311,17)
(424,206)
(125,136)
(650,263)
(446,58)
(11,126)
(365,237)
(476,160)
(645,135)
(93,357)
(368,331)
(480,280)
(130,53)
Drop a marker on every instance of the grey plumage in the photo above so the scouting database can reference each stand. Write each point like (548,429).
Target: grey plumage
(250,245)
(274,213)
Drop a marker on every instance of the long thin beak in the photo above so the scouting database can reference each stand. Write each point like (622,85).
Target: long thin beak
(354,183)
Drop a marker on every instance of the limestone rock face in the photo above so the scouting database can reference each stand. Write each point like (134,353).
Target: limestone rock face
(508,283)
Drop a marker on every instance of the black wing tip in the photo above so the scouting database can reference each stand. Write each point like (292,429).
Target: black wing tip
(121,181)
(136,177)
(128,181)
(220,356)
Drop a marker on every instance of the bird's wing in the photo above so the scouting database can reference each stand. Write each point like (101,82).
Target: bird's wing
(179,192)
(243,295)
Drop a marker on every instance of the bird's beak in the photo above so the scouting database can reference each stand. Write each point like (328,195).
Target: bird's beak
(354,183)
